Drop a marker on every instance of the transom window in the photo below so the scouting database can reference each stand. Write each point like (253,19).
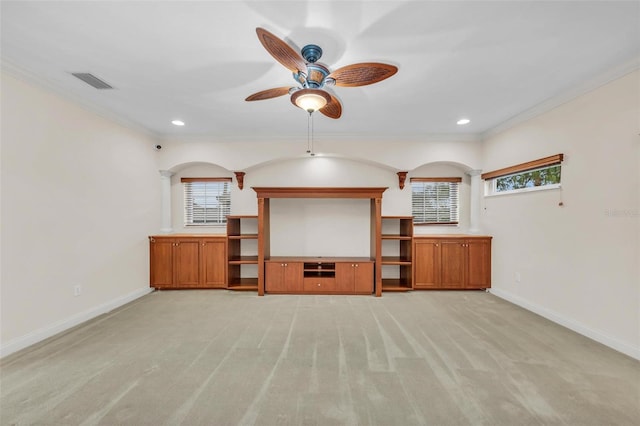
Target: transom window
(435,200)
(207,201)
(544,173)
(545,176)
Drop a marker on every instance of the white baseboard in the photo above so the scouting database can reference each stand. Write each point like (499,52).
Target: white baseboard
(615,344)
(60,326)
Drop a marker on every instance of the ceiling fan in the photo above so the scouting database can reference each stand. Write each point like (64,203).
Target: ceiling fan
(313,77)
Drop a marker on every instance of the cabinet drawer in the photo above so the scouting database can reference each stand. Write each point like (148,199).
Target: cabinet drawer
(319,285)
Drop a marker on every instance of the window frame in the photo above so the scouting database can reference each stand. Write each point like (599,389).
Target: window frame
(188,219)
(453,182)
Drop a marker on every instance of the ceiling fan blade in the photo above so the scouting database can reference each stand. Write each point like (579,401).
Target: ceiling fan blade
(268,94)
(333,109)
(281,51)
(362,74)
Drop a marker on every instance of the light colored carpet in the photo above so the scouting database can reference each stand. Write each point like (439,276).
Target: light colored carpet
(228,358)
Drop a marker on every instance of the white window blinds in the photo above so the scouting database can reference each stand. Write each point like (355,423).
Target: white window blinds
(435,200)
(207,201)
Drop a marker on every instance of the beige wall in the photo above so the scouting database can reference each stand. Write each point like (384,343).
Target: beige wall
(577,263)
(80,194)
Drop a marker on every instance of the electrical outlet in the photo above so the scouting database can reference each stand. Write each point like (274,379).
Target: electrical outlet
(518,277)
(77,290)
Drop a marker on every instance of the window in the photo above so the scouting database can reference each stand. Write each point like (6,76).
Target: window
(207,201)
(540,177)
(539,174)
(435,200)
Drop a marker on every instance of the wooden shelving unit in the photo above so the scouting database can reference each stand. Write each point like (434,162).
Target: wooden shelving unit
(374,194)
(237,257)
(402,260)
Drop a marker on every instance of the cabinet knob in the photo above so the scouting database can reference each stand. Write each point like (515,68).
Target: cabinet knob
(436,245)
(318,284)
(356,265)
(285,264)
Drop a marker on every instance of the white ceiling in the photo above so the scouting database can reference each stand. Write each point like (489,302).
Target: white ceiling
(198,61)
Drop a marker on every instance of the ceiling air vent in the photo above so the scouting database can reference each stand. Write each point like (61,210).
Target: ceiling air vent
(92,80)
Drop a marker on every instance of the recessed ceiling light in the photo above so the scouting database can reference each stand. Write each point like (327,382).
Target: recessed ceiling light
(177,123)
(463,121)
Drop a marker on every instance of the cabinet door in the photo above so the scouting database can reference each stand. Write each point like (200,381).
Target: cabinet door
(452,263)
(293,275)
(283,277)
(161,262)
(345,277)
(478,263)
(363,278)
(213,263)
(426,264)
(186,258)
(273,276)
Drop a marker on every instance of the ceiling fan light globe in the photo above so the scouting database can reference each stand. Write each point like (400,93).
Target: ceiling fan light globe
(310,100)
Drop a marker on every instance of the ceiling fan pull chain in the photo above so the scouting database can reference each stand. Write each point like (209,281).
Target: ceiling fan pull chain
(309,134)
(311,118)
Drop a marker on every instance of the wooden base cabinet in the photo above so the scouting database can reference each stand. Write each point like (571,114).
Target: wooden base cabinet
(304,275)
(354,277)
(187,262)
(452,262)
(213,262)
(283,277)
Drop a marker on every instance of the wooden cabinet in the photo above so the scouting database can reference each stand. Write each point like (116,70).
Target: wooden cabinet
(319,275)
(427,263)
(478,263)
(397,236)
(187,261)
(354,277)
(161,261)
(213,262)
(242,231)
(283,277)
(452,262)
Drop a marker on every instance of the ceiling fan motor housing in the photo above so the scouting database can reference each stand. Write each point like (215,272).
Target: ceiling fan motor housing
(315,76)
(311,53)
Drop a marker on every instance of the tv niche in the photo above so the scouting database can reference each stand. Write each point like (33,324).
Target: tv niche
(324,227)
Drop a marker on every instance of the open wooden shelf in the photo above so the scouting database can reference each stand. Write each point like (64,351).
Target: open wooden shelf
(243,260)
(396,237)
(244,284)
(236,252)
(244,237)
(395,260)
(395,284)
(399,237)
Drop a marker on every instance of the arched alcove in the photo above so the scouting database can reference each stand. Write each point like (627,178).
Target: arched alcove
(469,195)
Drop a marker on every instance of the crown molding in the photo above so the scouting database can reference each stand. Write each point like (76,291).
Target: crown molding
(566,96)
(326,137)
(30,78)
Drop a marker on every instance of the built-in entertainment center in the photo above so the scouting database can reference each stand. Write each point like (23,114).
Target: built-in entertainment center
(270,277)
(252,257)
